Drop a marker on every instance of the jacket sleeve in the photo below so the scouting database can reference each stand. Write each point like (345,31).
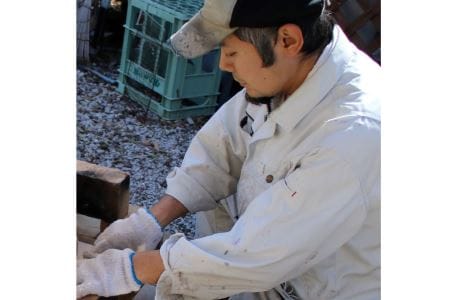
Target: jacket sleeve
(213,161)
(287,229)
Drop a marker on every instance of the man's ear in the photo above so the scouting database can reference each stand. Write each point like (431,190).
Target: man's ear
(290,38)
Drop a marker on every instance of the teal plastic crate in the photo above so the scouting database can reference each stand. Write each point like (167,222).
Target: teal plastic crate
(173,109)
(189,86)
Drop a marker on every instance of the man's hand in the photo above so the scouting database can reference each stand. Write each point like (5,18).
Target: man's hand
(139,231)
(109,273)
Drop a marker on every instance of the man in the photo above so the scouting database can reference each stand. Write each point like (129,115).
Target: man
(295,155)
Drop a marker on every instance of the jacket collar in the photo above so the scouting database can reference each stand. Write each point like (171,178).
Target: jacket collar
(324,75)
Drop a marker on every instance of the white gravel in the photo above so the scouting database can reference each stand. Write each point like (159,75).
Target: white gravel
(112,132)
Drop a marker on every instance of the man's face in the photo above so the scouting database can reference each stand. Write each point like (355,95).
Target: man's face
(243,61)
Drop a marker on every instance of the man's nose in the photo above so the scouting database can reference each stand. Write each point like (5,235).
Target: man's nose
(225,63)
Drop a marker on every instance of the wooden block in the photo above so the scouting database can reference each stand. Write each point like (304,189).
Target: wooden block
(90,297)
(129,296)
(102,192)
(88,228)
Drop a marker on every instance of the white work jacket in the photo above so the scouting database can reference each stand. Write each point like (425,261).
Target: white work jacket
(306,178)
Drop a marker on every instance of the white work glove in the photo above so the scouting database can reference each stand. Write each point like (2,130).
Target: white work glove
(108,274)
(140,231)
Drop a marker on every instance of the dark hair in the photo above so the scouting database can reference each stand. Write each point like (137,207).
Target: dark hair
(317,33)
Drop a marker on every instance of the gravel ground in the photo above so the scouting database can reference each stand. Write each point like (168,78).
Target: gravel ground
(113,131)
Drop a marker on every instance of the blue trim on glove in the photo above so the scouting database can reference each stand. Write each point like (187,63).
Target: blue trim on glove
(132,270)
(154,218)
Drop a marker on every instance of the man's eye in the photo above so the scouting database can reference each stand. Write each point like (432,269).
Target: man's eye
(231,54)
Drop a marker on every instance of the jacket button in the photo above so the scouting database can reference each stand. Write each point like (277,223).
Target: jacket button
(269,178)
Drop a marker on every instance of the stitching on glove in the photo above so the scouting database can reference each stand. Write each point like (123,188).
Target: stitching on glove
(154,218)
(132,270)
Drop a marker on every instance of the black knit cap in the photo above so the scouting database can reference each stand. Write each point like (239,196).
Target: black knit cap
(272,13)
